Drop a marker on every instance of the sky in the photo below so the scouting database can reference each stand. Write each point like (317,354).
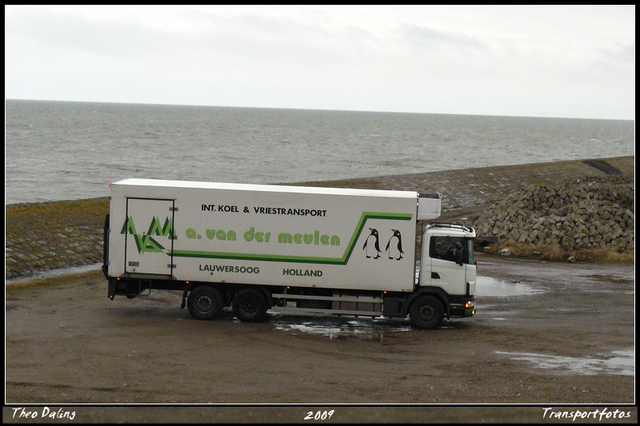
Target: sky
(540,61)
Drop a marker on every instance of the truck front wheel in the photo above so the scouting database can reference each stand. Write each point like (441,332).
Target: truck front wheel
(426,312)
(205,302)
(250,305)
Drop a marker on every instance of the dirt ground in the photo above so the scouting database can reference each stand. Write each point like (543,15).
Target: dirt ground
(546,335)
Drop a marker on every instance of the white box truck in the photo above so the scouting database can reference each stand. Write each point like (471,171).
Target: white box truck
(289,248)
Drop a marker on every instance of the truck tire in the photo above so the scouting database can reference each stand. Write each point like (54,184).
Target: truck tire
(205,302)
(250,305)
(426,312)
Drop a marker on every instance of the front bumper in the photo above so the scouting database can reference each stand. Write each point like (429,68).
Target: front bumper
(465,309)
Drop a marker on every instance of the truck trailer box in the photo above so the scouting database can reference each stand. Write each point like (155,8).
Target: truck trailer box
(264,234)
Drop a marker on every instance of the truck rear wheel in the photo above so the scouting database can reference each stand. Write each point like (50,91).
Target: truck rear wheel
(205,302)
(250,305)
(426,312)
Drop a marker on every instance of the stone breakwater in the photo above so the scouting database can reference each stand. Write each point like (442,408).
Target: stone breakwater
(567,206)
(574,219)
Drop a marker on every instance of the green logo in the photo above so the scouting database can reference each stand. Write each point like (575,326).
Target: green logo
(146,242)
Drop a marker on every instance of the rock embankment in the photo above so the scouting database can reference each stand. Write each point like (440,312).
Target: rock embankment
(569,220)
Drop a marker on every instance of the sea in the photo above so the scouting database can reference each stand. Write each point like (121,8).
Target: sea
(74,150)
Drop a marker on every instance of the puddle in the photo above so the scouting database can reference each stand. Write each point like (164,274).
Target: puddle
(336,327)
(618,362)
(487,286)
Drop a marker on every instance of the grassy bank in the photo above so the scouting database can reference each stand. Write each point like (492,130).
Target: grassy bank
(53,235)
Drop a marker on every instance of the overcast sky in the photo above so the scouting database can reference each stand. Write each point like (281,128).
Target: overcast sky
(547,61)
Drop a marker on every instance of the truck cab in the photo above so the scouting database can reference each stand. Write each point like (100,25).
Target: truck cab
(447,265)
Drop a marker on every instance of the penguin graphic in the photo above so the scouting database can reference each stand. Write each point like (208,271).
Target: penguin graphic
(389,248)
(376,244)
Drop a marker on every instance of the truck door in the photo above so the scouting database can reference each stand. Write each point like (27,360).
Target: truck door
(448,266)
(149,236)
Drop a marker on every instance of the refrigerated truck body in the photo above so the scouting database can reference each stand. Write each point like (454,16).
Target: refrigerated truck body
(289,248)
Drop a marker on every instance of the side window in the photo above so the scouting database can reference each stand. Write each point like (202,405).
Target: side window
(445,248)
(471,259)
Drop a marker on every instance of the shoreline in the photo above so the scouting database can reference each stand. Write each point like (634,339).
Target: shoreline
(74,271)
(52,235)
(394,181)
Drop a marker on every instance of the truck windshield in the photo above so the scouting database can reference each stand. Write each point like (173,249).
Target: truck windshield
(454,249)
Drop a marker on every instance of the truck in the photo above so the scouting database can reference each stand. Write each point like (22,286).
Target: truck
(260,248)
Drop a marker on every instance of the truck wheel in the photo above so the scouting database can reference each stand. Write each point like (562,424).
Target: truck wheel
(250,305)
(205,302)
(426,312)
